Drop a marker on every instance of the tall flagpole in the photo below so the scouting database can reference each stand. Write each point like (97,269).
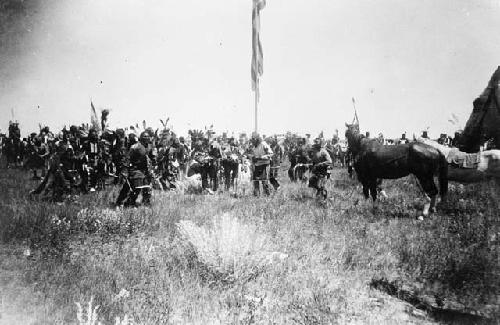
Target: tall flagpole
(256,92)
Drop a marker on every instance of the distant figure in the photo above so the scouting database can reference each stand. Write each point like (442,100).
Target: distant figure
(403,139)
(442,139)
(381,138)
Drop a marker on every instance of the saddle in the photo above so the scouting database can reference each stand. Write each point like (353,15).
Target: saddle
(462,159)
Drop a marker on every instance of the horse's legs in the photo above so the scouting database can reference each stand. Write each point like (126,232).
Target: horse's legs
(433,204)
(366,190)
(380,189)
(372,186)
(373,189)
(430,189)
(427,205)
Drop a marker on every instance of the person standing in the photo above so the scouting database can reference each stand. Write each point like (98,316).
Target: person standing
(321,161)
(261,154)
(92,152)
(137,175)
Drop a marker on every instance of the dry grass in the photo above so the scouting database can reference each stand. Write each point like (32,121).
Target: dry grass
(90,315)
(196,259)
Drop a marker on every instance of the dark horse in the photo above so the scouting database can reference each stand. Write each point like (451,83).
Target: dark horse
(373,161)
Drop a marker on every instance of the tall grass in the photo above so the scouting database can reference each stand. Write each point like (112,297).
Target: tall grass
(281,259)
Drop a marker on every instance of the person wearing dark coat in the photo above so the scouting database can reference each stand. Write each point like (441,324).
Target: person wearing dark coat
(92,151)
(321,161)
(137,174)
(57,180)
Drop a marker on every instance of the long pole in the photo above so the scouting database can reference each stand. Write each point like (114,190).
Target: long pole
(256,99)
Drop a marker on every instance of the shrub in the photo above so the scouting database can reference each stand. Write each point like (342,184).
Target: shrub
(231,251)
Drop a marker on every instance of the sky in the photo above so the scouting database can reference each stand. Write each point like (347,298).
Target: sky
(408,64)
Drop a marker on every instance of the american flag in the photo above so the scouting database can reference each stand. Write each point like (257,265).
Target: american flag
(257,55)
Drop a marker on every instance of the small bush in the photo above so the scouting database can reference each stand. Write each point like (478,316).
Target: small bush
(230,250)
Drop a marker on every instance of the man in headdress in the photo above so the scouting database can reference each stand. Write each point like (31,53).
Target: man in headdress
(137,175)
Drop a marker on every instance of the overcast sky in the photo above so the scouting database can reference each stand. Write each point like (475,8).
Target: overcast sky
(409,64)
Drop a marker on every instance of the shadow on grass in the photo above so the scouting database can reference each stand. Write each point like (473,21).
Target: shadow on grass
(433,306)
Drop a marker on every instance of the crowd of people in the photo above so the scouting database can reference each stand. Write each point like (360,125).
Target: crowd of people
(85,159)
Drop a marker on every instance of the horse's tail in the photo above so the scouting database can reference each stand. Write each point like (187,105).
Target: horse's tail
(443,176)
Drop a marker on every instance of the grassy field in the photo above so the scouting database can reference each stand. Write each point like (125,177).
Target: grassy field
(285,259)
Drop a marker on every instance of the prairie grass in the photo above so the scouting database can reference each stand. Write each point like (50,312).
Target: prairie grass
(283,259)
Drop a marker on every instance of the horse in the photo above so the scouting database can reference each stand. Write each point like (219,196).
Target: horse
(373,161)
(469,168)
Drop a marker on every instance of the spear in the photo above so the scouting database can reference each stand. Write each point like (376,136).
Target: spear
(355,120)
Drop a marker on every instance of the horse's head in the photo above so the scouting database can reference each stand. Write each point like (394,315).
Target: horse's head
(353,137)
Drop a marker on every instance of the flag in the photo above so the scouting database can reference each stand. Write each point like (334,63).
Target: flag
(257,55)
(94,121)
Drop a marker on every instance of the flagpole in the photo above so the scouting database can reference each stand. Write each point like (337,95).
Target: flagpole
(256,99)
